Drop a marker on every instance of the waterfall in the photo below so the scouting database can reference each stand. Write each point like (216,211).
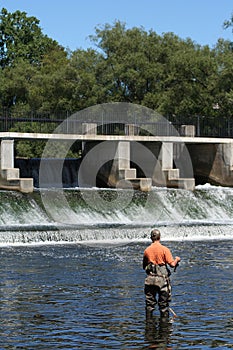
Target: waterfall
(115,214)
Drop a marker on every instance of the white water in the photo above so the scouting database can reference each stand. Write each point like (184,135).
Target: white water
(206,213)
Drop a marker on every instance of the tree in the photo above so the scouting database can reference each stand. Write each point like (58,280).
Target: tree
(228,23)
(164,72)
(23,50)
(124,61)
(15,82)
(89,78)
(51,86)
(22,38)
(175,77)
(223,77)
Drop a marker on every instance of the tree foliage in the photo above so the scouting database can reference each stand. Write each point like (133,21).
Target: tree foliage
(176,77)
(21,38)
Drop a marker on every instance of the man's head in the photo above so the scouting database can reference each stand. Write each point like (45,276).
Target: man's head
(155,235)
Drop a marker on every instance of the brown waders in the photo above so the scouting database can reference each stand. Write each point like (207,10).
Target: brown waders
(157,283)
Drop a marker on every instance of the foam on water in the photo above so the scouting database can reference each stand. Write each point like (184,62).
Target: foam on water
(116,235)
(206,213)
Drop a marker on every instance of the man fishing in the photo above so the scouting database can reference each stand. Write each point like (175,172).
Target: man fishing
(155,260)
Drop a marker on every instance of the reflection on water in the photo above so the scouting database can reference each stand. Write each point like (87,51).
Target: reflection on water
(82,297)
(158,333)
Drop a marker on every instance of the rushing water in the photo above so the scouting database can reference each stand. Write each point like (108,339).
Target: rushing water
(78,215)
(71,269)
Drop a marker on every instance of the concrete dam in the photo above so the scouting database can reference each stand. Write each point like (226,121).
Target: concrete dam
(121,161)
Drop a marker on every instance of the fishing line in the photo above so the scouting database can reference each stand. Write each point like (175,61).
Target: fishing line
(120,257)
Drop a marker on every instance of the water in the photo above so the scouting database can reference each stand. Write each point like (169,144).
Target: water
(71,269)
(77,215)
(81,297)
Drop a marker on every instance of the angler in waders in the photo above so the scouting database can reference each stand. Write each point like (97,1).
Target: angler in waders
(157,283)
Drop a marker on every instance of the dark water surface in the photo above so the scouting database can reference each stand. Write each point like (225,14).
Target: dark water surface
(83,297)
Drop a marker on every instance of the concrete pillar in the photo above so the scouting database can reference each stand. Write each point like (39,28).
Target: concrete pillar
(26,185)
(121,164)
(7,154)
(187,130)
(131,129)
(9,176)
(123,155)
(89,128)
(127,174)
(145,184)
(228,154)
(167,155)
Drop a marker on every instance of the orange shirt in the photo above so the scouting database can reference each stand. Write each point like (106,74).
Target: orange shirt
(157,254)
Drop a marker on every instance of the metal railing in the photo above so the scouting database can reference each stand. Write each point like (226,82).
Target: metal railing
(63,122)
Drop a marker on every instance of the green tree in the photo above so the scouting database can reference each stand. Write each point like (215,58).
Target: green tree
(228,23)
(223,78)
(185,90)
(124,61)
(52,85)
(164,72)
(15,82)
(88,83)
(21,38)
(24,52)
(173,76)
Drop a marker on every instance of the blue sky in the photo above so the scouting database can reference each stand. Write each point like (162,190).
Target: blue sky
(70,22)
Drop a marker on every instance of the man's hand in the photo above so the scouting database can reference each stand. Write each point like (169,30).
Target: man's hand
(175,261)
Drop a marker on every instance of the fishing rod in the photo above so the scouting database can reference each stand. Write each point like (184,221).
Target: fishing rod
(173,312)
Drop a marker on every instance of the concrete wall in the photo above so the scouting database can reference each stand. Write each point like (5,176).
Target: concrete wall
(212,163)
(113,162)
(110,164)
(206,163)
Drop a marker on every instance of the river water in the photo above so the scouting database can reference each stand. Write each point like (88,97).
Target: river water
(79,285)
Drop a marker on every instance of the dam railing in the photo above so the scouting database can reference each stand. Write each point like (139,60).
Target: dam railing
(36,121)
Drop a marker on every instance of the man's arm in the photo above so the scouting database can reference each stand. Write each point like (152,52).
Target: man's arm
(175,261)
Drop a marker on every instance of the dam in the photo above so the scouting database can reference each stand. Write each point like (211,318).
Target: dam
(130,160)
(120,145)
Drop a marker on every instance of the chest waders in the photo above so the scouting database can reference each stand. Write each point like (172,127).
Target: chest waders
(157,289)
